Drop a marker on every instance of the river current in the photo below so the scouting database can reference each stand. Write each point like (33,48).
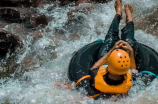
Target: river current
(37,86)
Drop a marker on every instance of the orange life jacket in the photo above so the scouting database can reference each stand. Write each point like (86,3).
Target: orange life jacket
(102,86)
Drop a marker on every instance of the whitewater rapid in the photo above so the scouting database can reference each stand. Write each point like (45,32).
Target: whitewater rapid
(37,86)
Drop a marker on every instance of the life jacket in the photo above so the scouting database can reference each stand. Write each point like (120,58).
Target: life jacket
(102,86)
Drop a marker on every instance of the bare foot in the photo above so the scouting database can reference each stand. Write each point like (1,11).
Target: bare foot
(128,12)
(118,7)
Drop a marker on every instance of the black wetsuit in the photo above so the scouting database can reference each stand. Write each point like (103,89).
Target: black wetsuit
(112,36)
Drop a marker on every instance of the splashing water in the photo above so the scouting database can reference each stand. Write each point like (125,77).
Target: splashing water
(37,86)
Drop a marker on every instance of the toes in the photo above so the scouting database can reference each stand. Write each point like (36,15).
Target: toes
(130,7)
(118,0)
(125,5)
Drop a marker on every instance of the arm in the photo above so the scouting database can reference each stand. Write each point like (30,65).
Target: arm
(127,47)
(102,60)
(132,60)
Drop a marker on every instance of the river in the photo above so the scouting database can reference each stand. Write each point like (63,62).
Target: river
(37,86)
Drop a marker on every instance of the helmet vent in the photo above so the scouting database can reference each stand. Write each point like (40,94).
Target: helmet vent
(120,57)
(125,56)
(124,61)
(117,50)
(119,61)
(127,60)
(121,65)
(126,65)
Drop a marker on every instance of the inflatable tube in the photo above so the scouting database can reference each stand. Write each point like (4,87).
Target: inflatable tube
(147,59)
(82,61)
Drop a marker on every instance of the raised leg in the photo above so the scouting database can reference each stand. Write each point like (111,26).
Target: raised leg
(128,30)
(112,36)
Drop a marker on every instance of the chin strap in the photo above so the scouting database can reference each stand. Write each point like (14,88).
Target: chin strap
(148,72)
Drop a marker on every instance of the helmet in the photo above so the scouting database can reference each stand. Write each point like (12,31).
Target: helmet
(118,62)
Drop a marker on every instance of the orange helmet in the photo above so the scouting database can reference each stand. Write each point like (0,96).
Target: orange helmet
(118,62)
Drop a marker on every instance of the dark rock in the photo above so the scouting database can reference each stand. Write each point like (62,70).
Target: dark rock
(37,20)
(8,44)
(15,15)
(23,15)
(77,2)
(25,3)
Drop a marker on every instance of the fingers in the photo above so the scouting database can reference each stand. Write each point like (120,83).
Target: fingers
(124,43)
(120,41)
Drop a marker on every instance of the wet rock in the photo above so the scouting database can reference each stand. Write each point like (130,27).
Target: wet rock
(77,2)
(65,2)
(15,15)
(53,55)
(37,35)
(37,21)
(74,37)
(14,3)
(32,62)
(149,23)
(75,24)
(7,69)
(18,29)
(3,24)
(9,44)
(23,15)
(28,62)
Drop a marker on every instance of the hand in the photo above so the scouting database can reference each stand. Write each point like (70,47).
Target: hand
(134,71)
(66,86)
(118,44)
(126,46)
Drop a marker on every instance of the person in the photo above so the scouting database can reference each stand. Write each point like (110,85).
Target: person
(112,72)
